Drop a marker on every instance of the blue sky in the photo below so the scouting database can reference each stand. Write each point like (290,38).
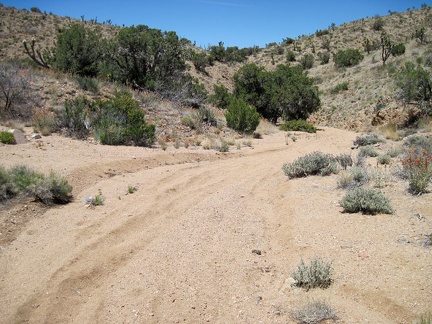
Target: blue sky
(242,23)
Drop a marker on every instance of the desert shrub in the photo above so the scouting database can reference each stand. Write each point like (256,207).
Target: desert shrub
(425,319)
(378,24)
(299,125)
(6,188)
(417,165)
(349,57)
(221,97)
(87,84)
(7,137)
(324,57)
(343,86)
(78,51)
(206,115)
(120,121)
(285,92)
(315,163)
(14,89)
(345,160)
(35,9)
(241,116)
(367,140)
(314,312)
(356,177)
(44,121)
(22,181)
(189,121)
(394,152)
(75,117)
(199,60)
(384,159)
(323,32)
(318,274)
(93,201)
(307,61)
(414,84)
(419,142)
(366,201)
(398,49)
(368,150)
(290,56)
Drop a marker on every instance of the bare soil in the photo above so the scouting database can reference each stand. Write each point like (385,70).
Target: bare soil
(180,248)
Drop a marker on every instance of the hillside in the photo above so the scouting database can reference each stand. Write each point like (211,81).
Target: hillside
(370,84)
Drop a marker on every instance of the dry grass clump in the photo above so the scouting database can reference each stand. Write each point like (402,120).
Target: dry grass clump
(314,312)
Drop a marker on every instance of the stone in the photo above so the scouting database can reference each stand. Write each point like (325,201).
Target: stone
(18,136)
(36,136)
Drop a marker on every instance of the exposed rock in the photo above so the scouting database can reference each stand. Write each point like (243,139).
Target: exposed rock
(18,136)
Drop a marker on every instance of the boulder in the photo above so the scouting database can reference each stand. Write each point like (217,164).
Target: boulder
(18,136)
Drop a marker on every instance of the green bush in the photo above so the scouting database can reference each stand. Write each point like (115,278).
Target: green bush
(366,201)
(242,116)
(398,49)
(298,125)
(7,137)
(307,61)
(120,121)
(343,86)
(316,275)
(290,56)
(221,97)
(349,57)
(75,118)
(315,163)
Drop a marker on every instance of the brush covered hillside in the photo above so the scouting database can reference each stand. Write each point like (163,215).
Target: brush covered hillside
(182,219)
(355,97)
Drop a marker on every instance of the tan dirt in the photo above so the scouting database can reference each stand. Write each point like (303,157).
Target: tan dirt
(179,249)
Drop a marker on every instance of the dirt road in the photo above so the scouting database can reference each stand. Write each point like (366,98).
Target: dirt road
(207,237)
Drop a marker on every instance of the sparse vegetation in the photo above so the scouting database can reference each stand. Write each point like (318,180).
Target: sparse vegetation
(417,165)
(318,274)
(314,312)
(20,180)
(366,201)
(367,140)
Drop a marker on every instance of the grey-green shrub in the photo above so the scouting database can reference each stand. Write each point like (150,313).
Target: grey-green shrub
(366,201)
(20,180)
(368,150)
(318,274)
(384,159)
(367,140)
(314,312)
(316,163)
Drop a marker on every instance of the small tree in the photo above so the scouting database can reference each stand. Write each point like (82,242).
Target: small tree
(386,46)
(78,51)
(241,116)
(14,87)
(415,85)
(420,35)
(378,24)
(307,61)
